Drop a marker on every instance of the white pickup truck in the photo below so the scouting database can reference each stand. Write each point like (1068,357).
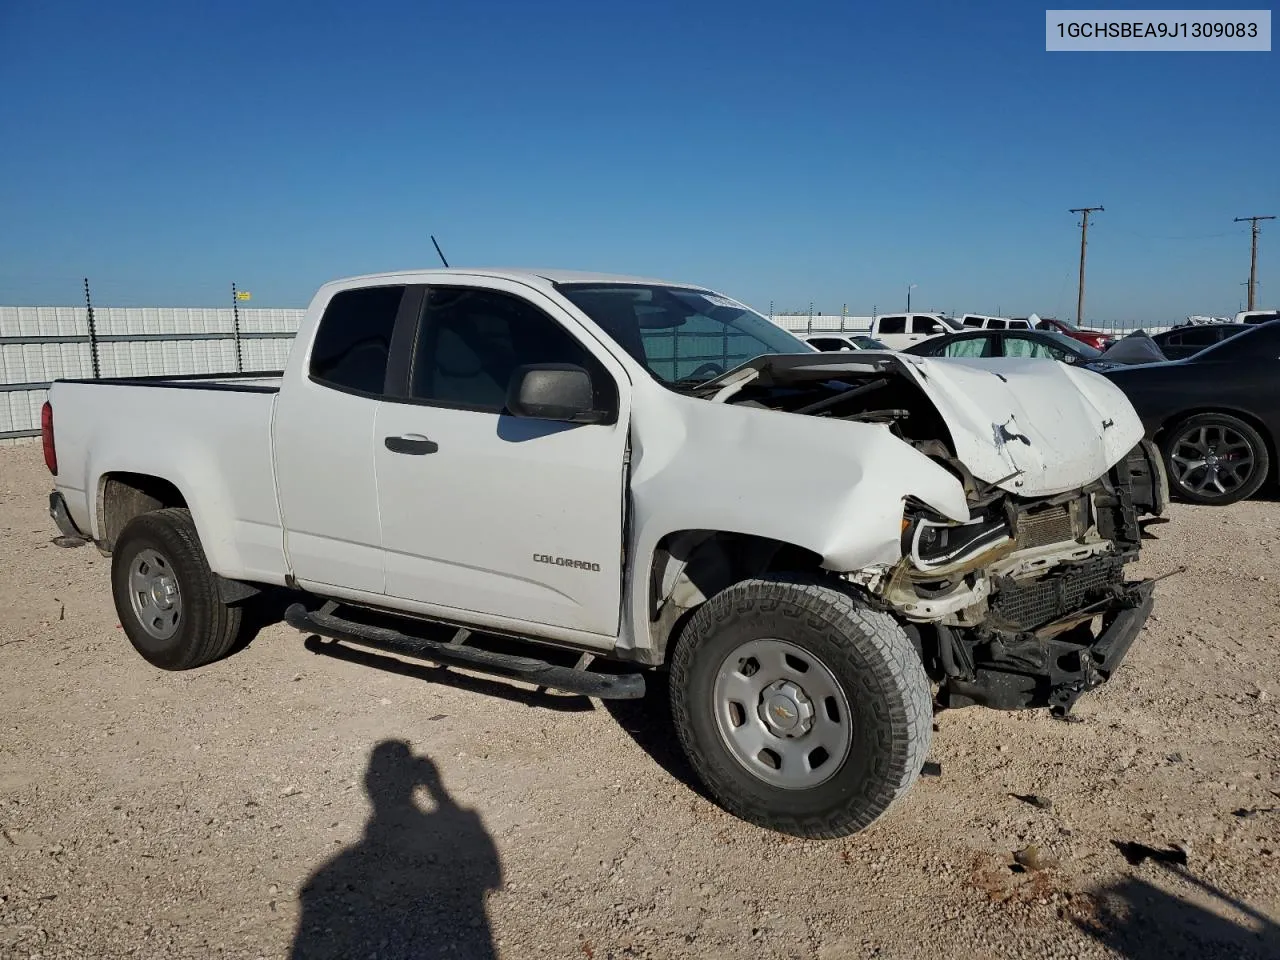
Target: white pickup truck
(809,548)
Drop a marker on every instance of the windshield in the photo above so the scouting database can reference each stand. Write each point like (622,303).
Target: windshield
(681,336)
(1067,325)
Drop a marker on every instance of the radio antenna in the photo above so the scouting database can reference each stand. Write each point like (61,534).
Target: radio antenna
(441,255)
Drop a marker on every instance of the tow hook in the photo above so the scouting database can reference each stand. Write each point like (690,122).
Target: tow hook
(1064,696)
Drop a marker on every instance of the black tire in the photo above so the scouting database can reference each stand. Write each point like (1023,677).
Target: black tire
(203,628)
(868,655)
(1201,485)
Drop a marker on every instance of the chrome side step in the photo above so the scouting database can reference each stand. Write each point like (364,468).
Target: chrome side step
(605,686)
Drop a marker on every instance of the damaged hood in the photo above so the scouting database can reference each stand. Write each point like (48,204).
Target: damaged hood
(1137,347)
(1057,427)
(1032,427)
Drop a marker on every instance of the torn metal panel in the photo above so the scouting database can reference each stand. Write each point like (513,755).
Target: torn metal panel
(1032,427)
(1061,427)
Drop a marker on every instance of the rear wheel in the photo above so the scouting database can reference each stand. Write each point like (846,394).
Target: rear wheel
(165,594)
(801,711)
(1215,459)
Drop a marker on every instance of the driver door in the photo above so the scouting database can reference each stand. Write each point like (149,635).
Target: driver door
(490,513)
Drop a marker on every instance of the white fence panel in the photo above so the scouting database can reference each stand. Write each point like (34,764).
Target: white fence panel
(36,348)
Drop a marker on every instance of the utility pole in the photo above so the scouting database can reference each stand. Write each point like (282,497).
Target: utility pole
(910,287)
(1084,233)
(1253,256)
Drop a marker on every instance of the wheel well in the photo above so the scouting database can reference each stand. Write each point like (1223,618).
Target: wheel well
(123,496)
(691,566)
(1162,434)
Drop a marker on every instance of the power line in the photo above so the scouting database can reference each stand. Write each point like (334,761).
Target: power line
(1253,254)
(1185,236)
(1084,233)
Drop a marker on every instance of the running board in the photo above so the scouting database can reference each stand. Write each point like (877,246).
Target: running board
(604,686)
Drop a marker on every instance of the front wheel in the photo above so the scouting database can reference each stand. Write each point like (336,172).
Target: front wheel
(1215,459)
(165,594)
(799,710)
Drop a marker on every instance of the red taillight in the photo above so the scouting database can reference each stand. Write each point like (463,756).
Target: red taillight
(46,434)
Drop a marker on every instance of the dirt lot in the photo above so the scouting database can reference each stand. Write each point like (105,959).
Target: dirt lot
(289,802)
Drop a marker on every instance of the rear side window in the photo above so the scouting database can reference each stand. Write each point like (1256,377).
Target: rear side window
(1199,338)
(353,339)
(995,324)
(893,324)
(1018,325)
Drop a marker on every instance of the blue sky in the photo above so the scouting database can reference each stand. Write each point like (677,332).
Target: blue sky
(811,151)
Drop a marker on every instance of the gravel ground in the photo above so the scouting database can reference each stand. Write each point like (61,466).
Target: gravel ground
(287,802)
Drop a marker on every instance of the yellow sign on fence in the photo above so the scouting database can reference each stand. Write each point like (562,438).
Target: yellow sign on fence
(243,295)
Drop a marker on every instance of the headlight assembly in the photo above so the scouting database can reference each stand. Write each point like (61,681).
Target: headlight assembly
(933,544)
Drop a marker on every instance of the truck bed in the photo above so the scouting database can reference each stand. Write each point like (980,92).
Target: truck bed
(208,436)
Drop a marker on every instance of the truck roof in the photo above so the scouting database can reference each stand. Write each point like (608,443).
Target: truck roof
(534,277)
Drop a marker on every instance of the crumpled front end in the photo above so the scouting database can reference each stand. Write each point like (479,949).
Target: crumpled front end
(1028,604)
(1018,594)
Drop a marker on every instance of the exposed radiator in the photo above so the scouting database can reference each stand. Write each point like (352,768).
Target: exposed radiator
(1031,605)
(1043,527)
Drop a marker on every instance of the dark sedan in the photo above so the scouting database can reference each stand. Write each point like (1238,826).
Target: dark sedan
(1187,341)
(1215,415)
(1007,343)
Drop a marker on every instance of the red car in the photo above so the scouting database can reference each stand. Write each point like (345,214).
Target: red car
(1094,338)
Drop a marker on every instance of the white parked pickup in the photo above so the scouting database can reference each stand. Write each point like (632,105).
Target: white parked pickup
(809,548)
(900,330)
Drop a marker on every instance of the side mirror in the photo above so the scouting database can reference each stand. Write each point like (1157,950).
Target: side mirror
(553,391)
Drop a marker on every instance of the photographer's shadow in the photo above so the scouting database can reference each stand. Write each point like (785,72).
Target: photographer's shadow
(414,886)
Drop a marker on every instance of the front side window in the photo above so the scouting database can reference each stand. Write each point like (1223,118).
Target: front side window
(973,321)
(1027,347)
(471,341)
(681,336)
(353,339)
(1070,346)
(926,325)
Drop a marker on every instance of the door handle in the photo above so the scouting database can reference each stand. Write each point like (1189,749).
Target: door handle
(414,444)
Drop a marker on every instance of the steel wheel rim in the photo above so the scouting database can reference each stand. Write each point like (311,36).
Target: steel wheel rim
(154,594)
(782,714)
(1212,461)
